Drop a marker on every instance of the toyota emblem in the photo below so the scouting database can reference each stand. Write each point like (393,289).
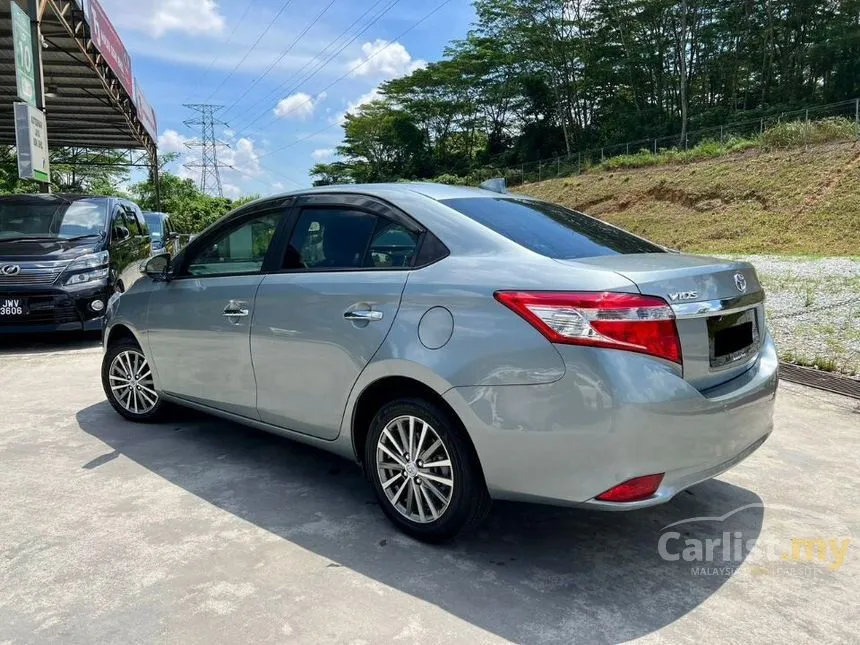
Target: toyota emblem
(10,269)
(740,282)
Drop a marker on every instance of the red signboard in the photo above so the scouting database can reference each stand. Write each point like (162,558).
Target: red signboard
(108,43)
(145,112)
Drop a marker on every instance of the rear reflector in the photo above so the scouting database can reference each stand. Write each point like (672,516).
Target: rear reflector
(633,490)
(628,321)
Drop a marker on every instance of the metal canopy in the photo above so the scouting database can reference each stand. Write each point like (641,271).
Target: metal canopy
(85,104)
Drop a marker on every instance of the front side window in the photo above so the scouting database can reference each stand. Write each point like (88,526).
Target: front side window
(341,238)
(35,217)
(240,249)
(550,230)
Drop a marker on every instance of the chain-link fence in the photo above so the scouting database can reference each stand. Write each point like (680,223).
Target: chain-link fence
(575,163)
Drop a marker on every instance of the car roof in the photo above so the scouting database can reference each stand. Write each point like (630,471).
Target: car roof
(434,191)
(54,197)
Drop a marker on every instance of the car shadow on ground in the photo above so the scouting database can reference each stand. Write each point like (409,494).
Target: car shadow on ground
(530,574)
(11,344)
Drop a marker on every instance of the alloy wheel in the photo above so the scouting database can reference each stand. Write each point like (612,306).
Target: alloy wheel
(414,469)
(131,382)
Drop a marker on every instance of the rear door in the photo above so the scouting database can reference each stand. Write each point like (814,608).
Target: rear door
(199,323)
(321,317)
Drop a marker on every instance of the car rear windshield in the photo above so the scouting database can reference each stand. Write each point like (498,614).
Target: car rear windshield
(550,230)
(153,222)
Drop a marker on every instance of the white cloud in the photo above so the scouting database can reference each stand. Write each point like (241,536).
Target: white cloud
(243,156)
(239,163)
(278,186)
(352,106)
(172,141)
(157,17)
(384,59)
(297,106)
(231,190)
(321,154)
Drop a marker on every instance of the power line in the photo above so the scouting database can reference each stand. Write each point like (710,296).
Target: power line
(217,56)
(251,50)
(210,175)
(283,55)
(340,78)
(324,63)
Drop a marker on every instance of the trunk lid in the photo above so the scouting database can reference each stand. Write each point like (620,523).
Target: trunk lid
(719,305)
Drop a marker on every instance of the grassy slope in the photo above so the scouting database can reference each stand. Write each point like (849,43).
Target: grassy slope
(800,201)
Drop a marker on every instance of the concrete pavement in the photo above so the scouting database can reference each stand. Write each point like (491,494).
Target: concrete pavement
(201,531)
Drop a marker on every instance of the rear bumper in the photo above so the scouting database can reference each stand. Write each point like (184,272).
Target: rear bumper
(55,310)
(612,417)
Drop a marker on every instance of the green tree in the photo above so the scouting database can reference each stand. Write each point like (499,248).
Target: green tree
(539,78)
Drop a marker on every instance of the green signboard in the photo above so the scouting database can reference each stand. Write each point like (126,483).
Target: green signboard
(23,40)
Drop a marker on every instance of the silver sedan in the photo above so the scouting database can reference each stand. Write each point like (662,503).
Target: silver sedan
(462,345)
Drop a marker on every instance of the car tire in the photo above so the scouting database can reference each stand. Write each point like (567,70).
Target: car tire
(418,499)
(131,397)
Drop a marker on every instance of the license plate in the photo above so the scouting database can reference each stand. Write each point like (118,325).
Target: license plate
(733,337)
(13,307)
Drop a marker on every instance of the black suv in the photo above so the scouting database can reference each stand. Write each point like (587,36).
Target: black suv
(63,256)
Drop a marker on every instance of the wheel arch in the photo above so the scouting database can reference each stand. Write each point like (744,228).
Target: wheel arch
(389,388)
(118,332)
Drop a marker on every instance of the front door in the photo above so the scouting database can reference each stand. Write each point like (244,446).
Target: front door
(320,319)
(199,322)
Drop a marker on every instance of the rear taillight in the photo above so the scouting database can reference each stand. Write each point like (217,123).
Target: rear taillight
(632,322)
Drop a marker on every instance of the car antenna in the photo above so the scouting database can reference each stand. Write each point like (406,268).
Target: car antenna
(497,185)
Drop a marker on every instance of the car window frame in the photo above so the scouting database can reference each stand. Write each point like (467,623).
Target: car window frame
(353,202)
(141,220)
(118,214)
(230,224)
(131,216)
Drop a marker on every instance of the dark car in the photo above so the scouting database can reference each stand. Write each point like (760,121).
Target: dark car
(63,256)
(164,235)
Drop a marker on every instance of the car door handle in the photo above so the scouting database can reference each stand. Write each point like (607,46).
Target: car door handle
(365,315)
(235,310)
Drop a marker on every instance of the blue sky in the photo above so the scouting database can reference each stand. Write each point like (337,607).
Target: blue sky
(282,121)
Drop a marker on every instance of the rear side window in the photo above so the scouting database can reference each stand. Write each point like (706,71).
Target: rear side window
(341,238)
(550,230)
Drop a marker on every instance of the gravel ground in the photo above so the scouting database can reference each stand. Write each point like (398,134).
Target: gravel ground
(813,309)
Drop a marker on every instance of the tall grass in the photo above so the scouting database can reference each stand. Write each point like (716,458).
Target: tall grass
(783,135)
(804,133)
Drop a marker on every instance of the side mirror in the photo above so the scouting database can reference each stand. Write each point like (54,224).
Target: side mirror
(158,267)
(173,236)
(121,233)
